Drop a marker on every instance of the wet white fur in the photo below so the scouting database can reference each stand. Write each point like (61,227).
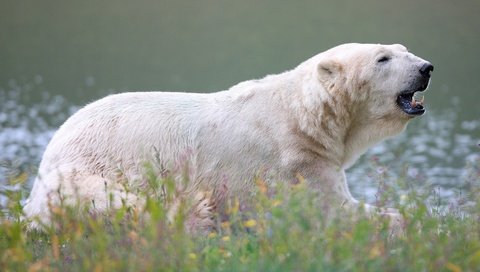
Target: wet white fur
(277,127)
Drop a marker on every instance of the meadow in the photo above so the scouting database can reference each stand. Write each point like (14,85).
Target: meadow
(287,230)
(59,55)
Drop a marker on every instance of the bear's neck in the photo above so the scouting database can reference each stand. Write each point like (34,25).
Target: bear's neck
(333,122)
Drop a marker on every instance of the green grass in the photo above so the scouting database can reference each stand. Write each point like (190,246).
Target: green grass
(285,231)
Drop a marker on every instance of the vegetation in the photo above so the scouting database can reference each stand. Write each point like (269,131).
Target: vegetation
(286,231)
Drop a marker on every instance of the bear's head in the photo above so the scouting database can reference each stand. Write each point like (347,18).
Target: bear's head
(388,76)
(369,89)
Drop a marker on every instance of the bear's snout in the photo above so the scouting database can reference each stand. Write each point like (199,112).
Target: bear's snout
(426,69)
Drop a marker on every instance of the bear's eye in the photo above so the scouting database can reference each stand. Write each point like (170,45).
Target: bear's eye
(383,59)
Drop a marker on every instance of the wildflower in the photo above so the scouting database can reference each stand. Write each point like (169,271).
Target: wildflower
(226,238)
(300,182)
(192,256)
(347,235)
(235,207)
(133,236)
(212,235)
(262,186)
(300,178)
(250,223)
(276,203)
(453,267)
(225,254)
(375,251)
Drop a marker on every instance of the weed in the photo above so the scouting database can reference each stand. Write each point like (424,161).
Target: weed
(284,231)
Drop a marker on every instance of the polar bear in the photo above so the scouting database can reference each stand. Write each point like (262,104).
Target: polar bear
(313,121)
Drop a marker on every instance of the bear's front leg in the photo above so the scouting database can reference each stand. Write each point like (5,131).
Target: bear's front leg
(331,184)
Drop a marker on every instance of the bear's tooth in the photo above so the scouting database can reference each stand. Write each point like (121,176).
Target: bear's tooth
(423,99)
(413,102)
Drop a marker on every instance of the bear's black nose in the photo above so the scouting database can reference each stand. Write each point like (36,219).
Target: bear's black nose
(426,69)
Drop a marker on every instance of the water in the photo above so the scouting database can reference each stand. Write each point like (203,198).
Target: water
(55,56)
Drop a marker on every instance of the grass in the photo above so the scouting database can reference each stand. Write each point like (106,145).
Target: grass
(285,231)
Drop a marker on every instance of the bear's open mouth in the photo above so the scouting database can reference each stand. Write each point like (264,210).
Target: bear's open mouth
(409,104)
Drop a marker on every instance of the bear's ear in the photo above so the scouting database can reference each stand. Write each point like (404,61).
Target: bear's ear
(328,70)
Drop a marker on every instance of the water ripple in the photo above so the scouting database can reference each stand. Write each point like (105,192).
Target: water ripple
(436,150)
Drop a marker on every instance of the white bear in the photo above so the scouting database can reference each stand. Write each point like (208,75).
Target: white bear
(313,121)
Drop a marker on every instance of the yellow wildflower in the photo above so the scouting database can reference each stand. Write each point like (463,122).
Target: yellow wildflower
(250,223)
(192,256)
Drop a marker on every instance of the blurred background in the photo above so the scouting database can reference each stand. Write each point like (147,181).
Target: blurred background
(55,56)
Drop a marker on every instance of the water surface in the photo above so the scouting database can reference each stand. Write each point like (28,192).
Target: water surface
(55,56)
